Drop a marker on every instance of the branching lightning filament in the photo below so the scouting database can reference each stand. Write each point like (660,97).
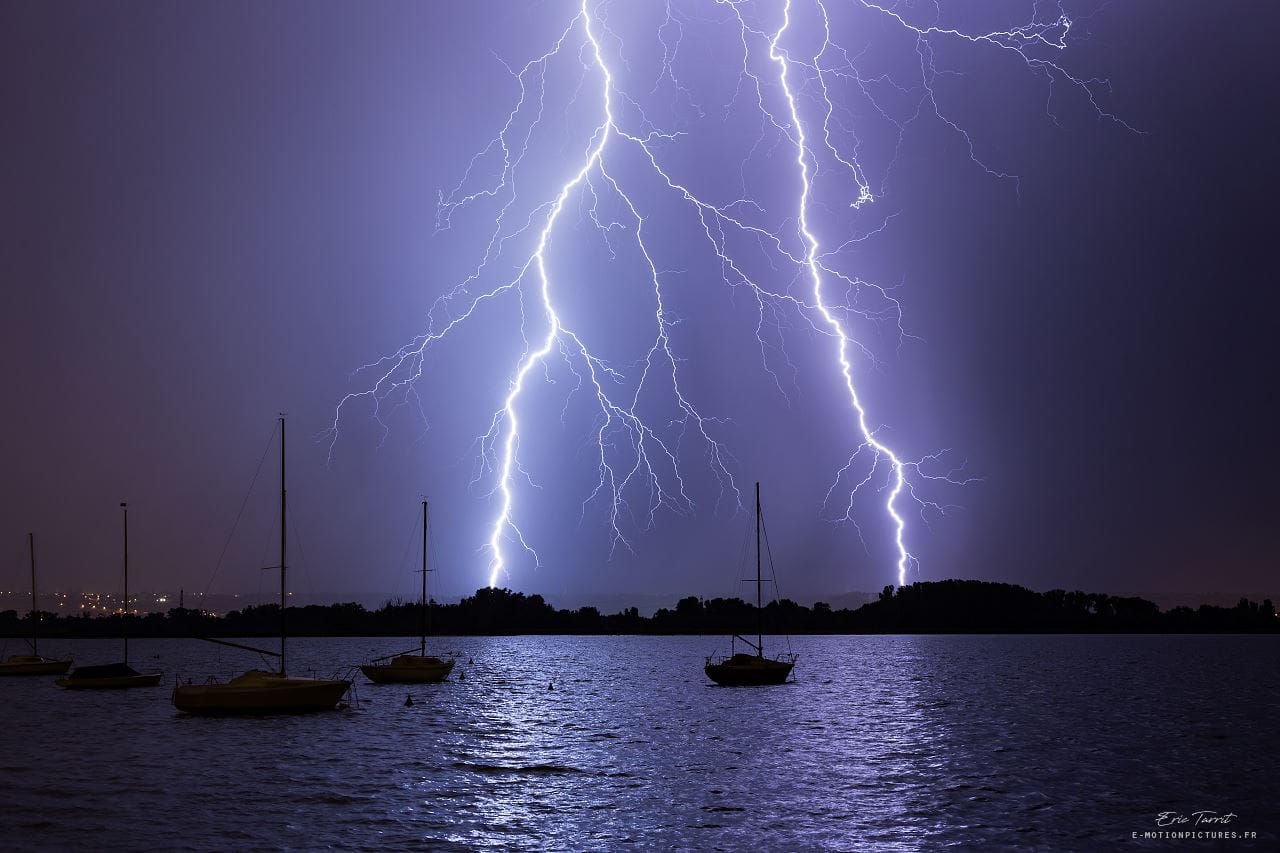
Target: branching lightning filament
(792,80)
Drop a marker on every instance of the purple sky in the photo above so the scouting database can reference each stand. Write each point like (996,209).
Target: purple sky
(215,212)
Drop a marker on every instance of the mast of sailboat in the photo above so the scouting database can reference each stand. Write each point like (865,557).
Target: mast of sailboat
(125,507)
(759,612)
(283,526)
(35,614)
(423,646)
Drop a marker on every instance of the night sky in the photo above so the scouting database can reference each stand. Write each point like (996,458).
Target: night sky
(212,213)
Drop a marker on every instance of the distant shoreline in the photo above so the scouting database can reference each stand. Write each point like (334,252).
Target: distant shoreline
(938,607)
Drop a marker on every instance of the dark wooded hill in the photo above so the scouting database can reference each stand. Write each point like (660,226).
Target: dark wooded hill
(939,607)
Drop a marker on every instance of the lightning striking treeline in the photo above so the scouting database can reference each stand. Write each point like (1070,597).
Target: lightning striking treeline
(794,82)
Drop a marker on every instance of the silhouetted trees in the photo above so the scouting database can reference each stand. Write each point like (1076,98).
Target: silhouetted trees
(940,607)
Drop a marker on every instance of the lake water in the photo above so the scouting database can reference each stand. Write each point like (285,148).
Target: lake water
(882,743)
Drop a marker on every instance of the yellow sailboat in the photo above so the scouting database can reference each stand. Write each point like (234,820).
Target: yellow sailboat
(34,664)
(259,692)
(113,676)
(404,668)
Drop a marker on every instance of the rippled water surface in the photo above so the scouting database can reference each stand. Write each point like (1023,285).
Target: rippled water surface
(597,743)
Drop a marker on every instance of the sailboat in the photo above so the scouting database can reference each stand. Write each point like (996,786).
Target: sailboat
(113,676)
(33,664)
(744,670)
(257,691)
(405,668)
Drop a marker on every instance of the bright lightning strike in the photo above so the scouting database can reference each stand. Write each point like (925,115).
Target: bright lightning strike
(789,90)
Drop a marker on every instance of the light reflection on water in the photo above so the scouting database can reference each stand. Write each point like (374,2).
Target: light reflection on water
(893,743)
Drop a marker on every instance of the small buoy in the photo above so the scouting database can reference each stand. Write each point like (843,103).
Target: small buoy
(471,660)
(549,686)
(408,700)
(462,675)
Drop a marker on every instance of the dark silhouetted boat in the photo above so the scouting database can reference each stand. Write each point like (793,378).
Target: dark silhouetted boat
(259,692)
(747,670)
(108,676)
(34,664)
(113,676)
(405,668)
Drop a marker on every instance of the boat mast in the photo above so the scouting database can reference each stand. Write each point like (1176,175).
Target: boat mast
(423,648)
(283,671)
(35,614)
(759,614)
(125,507)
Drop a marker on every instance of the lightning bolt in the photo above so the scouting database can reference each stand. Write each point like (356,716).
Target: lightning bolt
(646,424)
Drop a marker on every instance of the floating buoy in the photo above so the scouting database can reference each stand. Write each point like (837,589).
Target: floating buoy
(462,675)
(549,686)
(471,660)
(408,700)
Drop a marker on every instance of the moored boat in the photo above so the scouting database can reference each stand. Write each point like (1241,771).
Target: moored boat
(405,668)
(34,663)
(113,676)
(109,676)
(744,670)
(259,692)
(408,669)
(256,691)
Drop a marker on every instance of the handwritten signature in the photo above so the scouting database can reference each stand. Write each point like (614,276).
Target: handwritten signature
(1200,818)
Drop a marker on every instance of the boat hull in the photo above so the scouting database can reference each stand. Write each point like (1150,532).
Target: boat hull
(110,676)
(32,665)
(409,669)
(116,682)
(749,671)
(260,693)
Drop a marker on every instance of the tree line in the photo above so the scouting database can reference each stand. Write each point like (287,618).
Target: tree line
(937,607)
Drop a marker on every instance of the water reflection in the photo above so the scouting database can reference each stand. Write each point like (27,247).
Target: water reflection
(894,743)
